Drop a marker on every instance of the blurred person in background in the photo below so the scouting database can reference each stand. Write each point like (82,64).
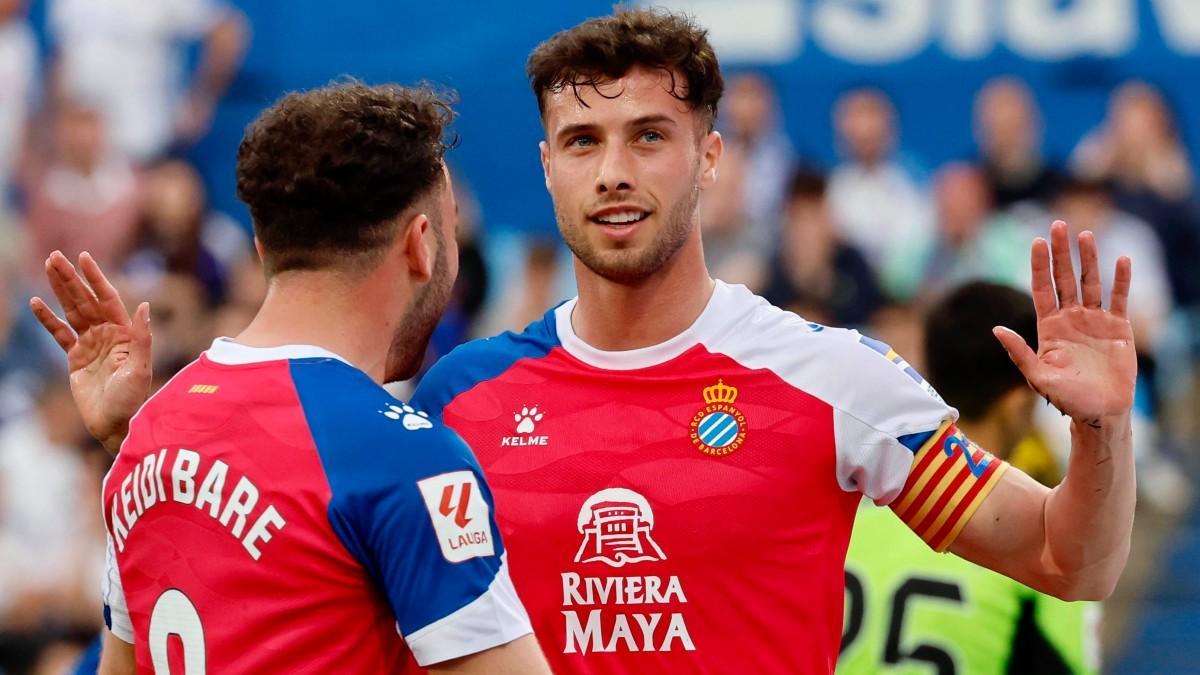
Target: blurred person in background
(1087,204)
(734,248)
(179,234)
(814,272)
(18,77)
(751,124)
(127,57)
(1008,135)
(51,537)
(876,200)
(970,241)
(908,607)
(85,195)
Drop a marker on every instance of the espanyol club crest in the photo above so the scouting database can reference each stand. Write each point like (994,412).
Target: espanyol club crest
(719,428)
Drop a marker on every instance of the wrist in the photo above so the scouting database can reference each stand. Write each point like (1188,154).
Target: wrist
(1104,428)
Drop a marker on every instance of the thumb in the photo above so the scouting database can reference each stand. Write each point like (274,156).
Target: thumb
(1020,353)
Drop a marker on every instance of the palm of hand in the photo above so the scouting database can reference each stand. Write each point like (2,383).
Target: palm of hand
(1086,364)
(107,385)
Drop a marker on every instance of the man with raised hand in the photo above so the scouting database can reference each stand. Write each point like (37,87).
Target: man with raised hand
(272,509)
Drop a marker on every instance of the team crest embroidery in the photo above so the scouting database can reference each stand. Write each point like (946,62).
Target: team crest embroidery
(719,428)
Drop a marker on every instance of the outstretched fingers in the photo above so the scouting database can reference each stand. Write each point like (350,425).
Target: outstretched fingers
(1042,287)
(1089,271)
(78,303)
(1063,269)
(1120,291)
(58,329)
(108,300)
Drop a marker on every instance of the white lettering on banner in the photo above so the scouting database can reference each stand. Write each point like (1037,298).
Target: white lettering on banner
(145,488)
(580,590)
(887,31)
(1179,23)
(1038,29)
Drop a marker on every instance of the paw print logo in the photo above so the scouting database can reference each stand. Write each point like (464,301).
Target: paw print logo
(527,418)
(411,418)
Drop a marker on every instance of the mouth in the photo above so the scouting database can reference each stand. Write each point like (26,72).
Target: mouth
(619,220)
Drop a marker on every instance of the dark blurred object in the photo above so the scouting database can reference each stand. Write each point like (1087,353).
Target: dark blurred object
(178,234)
(815,272)
(1008,131)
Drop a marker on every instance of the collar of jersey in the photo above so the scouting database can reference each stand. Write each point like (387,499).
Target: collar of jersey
(706,324)
(227,352)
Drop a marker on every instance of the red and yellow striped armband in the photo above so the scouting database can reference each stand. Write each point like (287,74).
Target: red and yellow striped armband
(950,478)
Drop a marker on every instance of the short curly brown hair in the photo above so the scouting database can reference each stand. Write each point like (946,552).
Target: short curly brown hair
(327,172)
(606,48)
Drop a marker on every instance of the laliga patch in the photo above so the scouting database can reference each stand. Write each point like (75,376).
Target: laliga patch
(460,515)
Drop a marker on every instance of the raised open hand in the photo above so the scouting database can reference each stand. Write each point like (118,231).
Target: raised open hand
(1085,363)
(108,354)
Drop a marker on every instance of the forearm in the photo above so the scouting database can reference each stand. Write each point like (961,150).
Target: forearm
(1089,516)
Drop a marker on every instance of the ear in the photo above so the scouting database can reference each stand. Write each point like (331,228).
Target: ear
(544,151)
(711,148)
(415,248)
(258,247)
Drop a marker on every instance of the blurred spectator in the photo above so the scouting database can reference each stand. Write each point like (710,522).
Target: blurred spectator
(127,56)
(18,66)
(1008,131)
(814,272)
(179,234)
(733,246)
(1138,150)
(1087,205)
(26,355)
(51,538)
(751,120)
(971,241)
(84,197)
(876,202)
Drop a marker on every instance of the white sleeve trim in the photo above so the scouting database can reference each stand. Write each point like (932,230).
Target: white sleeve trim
(119,622)
(495,618)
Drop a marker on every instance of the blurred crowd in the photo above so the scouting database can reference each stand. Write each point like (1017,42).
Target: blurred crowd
(94,135)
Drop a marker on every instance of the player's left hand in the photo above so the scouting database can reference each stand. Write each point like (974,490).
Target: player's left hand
(108,353)
(1085,364)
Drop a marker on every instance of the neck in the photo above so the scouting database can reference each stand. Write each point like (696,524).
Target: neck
(320,309)
(617,316)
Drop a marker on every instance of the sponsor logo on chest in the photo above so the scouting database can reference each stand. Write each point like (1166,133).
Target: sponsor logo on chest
(605,612)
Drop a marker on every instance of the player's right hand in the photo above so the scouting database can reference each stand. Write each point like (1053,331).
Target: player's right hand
(108,353)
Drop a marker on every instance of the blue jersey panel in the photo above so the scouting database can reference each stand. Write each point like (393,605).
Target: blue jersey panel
(481,360)
(408,498)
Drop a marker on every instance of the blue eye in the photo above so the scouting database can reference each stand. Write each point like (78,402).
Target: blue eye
(581,142)
(650,136)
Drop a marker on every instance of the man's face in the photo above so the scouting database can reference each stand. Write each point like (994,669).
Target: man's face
(412,335)
(625,167)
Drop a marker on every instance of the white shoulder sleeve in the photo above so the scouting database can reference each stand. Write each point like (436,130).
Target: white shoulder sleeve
(116,612)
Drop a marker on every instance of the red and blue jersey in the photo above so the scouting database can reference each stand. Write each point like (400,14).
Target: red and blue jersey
(276,511)
(686,508)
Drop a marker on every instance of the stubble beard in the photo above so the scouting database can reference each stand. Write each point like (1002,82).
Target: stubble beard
(411,339)
(628,266)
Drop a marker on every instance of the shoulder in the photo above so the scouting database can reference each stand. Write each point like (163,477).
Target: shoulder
(481,360)
(853,373)
(365,437)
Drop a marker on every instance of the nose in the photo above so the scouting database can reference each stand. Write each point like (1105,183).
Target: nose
(616,170)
